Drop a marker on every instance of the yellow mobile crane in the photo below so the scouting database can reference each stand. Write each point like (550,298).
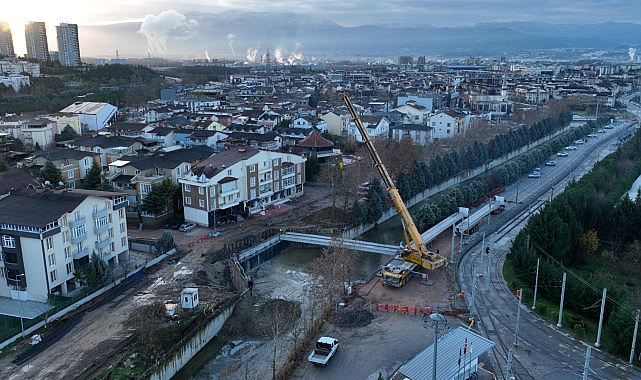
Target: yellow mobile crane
(417,252)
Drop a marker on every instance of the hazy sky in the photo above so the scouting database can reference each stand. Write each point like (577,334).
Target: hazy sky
(344,12)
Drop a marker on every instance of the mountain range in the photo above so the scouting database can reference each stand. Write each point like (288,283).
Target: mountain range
(289,37)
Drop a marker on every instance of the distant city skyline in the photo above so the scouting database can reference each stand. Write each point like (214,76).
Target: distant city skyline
(351,13)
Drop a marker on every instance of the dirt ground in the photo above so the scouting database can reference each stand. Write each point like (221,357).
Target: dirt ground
(97,341)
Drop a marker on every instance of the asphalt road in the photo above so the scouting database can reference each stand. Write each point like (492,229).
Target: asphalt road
(542,350)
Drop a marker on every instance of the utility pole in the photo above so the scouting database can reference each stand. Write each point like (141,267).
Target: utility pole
(598,336)
(536,283)
(473,290)
(518,317)
(559,324)
(482,249)
(634,336)
(586,366)
(509,365)
(436,319)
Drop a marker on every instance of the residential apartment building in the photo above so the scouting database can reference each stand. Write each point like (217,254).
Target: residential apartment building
(6,41)
(46,233)
(68,45)
(93,115)
(36,38)
(240,181)
(447,124)
(73,164)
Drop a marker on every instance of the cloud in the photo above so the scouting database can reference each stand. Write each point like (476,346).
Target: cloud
(157,29)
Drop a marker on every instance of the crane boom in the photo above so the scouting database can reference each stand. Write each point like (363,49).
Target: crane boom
(417,252)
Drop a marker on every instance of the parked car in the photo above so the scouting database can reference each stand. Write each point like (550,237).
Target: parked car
(578,142)
(593,135)
(534,175)
(562,154)
(187,227)
(601,131)
(571,147)
(550,163)
(172,224)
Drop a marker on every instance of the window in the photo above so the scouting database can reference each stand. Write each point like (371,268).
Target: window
(8,241)
(70,174)
(121,213)
(51,259)
(275,162)
(187,187)
(201,190)
(67,253)
(229,172)
(79,231)
(188,200)
(70,267)
(101,222)
(201,202)
(252,193)
(123,241)
(252,168)
(65,237)
(212,191)
(122,227)
(252,181)
(49,243)
(276,175)
(53,275)
(63,221)
(145,188)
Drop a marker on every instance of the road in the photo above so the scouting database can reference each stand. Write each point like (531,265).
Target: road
(542,350)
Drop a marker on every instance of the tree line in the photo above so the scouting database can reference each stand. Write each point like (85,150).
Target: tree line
(591,220)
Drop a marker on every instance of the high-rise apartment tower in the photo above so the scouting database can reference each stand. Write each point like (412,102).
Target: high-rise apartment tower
(35,35)
(6,40)
(68,46)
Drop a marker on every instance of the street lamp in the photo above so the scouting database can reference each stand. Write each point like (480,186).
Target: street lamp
(20,302)
(436,319)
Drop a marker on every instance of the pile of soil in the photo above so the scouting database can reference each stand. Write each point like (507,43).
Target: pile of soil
(253,317)
(350,317)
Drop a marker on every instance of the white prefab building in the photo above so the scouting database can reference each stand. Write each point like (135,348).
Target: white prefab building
(93,116)
(189,298)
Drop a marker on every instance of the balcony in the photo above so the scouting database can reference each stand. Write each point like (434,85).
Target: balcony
(77,223)
(77,255)
(78,239)
(103,228)
(97,214)
(103,243)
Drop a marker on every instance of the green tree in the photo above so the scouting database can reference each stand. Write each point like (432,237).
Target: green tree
(96,273)
(312,168)
(3,165)
(157,200)
(314,98)
(67,134)
(93,180)
(164,243)
(51,173)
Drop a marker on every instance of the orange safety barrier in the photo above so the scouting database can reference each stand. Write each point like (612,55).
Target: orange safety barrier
(404,309)
(204,237)
(191,243)
(199,240)
(412,310)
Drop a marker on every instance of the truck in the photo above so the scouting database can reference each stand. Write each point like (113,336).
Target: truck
(415,250)
(325,348)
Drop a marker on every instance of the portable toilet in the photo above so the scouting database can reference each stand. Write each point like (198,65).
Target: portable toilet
(189,298)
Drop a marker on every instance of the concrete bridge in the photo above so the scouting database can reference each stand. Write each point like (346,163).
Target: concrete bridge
(325,241)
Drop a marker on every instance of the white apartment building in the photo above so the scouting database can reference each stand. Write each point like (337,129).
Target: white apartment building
(46,233)
(240,181)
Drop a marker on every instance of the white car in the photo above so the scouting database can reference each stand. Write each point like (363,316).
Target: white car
(550,163)
(562,154)
(578,142)
(187,227)
(571,147)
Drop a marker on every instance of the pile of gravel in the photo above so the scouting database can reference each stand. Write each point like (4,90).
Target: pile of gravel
(351,318)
